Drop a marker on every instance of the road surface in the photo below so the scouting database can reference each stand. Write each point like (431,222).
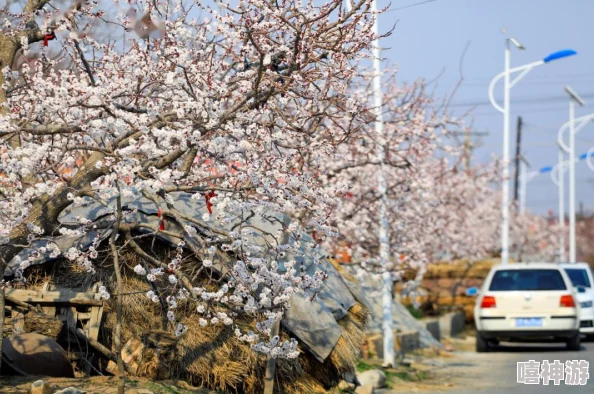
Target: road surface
(496,372)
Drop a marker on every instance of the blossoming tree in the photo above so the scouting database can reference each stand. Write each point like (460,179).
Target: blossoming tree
(222,102)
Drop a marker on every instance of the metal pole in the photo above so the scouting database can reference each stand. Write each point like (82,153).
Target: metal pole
(517,159)
(505,162)
(384,240)
(561,207)
(572,245)
(524,189)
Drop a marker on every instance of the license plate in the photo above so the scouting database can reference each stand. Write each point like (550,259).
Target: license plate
(529,322)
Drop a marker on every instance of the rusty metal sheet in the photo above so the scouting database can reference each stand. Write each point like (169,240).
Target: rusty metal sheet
(33,354)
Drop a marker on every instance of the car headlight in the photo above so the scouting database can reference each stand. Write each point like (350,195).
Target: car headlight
(586,304)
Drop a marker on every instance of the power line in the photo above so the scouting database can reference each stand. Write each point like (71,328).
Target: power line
(520,101)
(546,109)
(541,128)
(548,82)
(409,6)
(561,76)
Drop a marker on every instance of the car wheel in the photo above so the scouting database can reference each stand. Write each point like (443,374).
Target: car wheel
(481,344)
(574,342)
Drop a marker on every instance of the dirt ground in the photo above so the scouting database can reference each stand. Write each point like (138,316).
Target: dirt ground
(427,373)
(423,375)
(101,384)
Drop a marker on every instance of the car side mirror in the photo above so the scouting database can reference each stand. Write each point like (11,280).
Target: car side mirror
(472,291)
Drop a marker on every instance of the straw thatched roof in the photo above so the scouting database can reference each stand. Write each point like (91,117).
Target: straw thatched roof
(330,328)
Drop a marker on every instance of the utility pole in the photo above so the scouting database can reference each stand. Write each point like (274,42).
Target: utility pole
(468,144)
(517,160)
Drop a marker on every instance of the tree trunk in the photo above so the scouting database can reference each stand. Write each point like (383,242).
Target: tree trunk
(2,306)
(118,330)
(271,363)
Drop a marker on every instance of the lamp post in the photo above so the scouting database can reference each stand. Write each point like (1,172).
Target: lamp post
(558,178)
(561,187)
(589,158)
(525,177)
(507,86)
(574,125)
(573,98)
(384,239)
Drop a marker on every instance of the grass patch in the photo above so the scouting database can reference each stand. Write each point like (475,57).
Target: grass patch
(416,313)
(395,375)
(409,375)
(362,366)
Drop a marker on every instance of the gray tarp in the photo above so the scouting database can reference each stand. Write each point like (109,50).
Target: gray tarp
(402,319)
(314,323)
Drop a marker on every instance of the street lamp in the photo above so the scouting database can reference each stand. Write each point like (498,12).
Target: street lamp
(561,189)
(573,98)
(384,225)
(559,181)
(573,130)
(525,178)
(589,158)
(507,86)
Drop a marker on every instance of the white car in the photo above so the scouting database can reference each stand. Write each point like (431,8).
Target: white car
(527,301)
(580,275)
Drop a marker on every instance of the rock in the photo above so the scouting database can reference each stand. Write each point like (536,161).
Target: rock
(132,350)
(40,387)
(350,376)
(376,378)
(406,362)
(364,389)
(70,390)
(343,385)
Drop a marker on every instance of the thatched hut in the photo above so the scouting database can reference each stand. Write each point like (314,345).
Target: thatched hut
(330,328)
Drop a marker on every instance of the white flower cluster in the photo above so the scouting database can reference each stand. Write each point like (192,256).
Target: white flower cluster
(152,296)
(103,293)
(274,348)
(180,330)
(139,270)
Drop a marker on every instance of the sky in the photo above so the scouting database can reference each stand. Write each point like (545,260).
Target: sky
(428,42)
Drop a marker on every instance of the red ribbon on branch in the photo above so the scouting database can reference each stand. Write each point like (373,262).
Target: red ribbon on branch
(207,197)
(162,224)
(48,37)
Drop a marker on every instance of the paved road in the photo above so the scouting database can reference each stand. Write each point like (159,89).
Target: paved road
(495,372)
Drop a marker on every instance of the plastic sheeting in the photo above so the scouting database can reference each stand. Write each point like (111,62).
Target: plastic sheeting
(402,318)
(313,322)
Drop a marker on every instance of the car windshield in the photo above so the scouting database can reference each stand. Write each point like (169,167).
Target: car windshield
(578,276)
(527,280)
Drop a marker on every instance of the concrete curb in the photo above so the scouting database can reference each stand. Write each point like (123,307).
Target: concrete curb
(404,342)
(448,325)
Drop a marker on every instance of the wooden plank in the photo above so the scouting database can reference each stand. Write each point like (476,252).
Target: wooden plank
(95,322)
(78,332)
(55,297)
(71,318)
(84,315)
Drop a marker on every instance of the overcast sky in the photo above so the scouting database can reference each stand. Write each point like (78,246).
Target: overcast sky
(430,38)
